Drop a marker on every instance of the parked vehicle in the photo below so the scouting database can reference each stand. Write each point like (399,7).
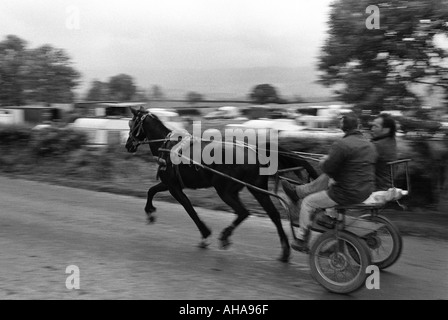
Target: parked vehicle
(307,126)
(108,123)
(226,112)
(11,116)
(29,114)
(103,132)
(275,124)
(170,118)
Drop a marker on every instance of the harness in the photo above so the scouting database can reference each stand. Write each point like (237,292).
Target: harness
(166,152)
(137,131)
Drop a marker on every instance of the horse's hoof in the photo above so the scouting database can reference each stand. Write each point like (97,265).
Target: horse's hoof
(204,244)
(150,219)
(284,259)
(150,210)
(225,244)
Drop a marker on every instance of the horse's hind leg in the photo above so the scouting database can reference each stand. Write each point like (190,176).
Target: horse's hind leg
(267,204)
(181,197)
(149,208)
(232,199)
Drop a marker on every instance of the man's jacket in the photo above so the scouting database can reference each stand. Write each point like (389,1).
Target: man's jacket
(351,164)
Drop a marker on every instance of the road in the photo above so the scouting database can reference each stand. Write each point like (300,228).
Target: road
(46,228)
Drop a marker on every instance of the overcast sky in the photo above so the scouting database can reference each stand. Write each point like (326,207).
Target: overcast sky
(131,36)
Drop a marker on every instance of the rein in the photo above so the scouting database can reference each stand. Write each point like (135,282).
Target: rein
(200,165)
(146,141)
(293,154)
(228,176)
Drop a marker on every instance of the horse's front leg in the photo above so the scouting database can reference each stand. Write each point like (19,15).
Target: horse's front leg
(182,198)
(149,208)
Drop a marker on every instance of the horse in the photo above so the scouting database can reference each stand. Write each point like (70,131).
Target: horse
(146,127)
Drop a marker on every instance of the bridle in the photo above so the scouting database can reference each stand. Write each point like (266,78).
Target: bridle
(138,130)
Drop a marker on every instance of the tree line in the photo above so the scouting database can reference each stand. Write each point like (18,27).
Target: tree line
(46,75)
(123,88)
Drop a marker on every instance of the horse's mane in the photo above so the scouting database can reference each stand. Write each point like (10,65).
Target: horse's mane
(158,121)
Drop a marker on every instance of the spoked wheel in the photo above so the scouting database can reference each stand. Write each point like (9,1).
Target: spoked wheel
(339,263)
(385,244)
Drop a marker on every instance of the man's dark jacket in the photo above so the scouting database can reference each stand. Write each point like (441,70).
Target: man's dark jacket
(351,163)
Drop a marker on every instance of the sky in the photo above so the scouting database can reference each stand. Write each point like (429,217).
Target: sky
(159,41)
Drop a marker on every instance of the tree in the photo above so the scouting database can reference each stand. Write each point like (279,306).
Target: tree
(48,75)
(122,87)
(157,93)
(12,52)
(194,97)
(140,95)
(99,91)
(263,94)
(376,68)
(298,99)
(44,74)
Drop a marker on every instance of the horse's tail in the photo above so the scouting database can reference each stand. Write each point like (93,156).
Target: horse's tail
(289,160)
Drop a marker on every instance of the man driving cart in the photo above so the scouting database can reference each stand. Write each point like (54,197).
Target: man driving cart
(348,178)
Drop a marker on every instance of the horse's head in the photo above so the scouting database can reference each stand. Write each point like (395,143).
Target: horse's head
(136,132)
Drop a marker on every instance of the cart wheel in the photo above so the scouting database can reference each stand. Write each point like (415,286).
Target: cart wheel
(339,262)
(385,244)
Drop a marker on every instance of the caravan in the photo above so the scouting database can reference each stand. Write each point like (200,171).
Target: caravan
(108,123)
(12,116)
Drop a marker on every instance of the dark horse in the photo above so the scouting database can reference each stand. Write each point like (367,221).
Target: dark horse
(146,127)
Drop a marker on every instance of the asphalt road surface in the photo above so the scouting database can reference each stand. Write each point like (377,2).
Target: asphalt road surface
(45,228)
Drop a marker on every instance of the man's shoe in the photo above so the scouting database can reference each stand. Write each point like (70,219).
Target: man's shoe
(326,221)
(290,190)
(300,245)
(295,223)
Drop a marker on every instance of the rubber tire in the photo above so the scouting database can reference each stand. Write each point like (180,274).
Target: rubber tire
(364,255)
(396,238)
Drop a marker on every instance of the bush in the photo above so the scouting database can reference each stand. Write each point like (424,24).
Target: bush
(90,164)
(14,134)
(14,150)
(56,141)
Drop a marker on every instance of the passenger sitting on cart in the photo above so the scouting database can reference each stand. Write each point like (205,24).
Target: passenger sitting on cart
(383,137)
(349,178)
